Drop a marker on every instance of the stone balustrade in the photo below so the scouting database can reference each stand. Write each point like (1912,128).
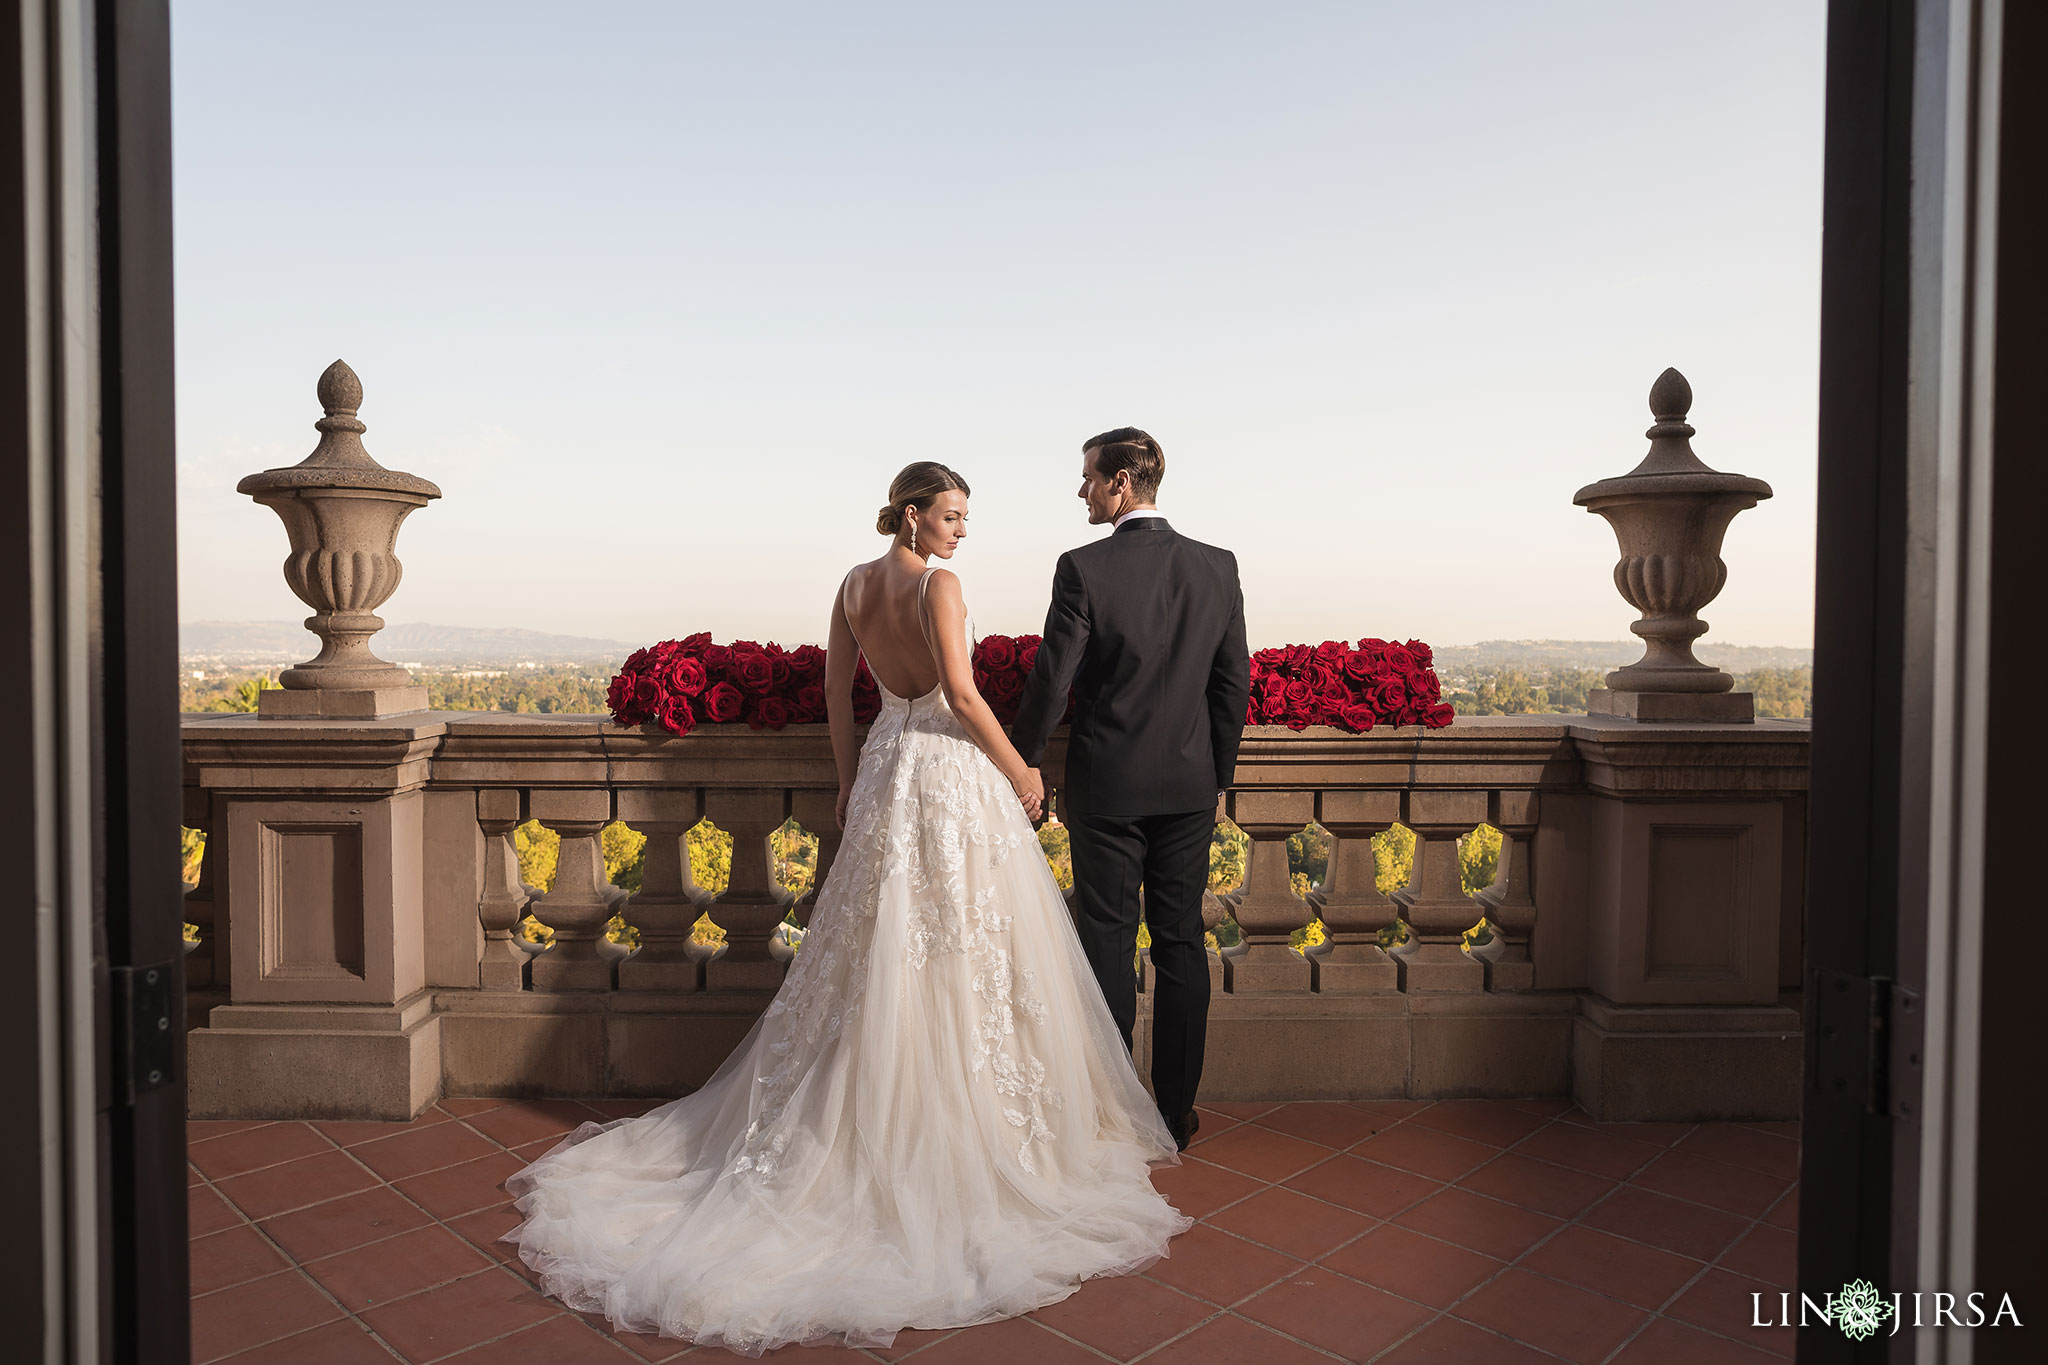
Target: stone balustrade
(360,896)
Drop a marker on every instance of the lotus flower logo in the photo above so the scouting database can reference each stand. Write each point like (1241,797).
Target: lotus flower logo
(1859,1310)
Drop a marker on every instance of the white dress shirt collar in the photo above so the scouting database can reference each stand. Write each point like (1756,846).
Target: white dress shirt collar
(1134,514)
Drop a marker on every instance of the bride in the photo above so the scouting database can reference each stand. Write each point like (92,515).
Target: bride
(935,1123)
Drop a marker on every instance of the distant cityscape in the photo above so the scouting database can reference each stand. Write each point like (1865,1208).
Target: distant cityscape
(467,668)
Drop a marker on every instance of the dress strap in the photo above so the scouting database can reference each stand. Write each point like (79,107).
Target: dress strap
(924,620)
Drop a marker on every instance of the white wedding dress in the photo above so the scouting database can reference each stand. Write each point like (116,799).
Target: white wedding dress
(934,1124)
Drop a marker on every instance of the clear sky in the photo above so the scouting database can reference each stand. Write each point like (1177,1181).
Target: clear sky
(662,295)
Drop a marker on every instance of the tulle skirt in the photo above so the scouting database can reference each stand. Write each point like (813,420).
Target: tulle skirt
(934,1124)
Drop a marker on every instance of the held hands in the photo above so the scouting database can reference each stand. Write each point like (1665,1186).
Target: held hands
(1030,789)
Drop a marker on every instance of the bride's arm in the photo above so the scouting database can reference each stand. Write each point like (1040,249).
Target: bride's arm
(841,656)
(948,611)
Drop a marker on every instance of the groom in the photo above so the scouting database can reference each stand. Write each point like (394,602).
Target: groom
(1147,630)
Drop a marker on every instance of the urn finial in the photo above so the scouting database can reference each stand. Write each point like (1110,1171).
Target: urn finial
(1670,396)
(341,393)
(1669,514)
(341,511)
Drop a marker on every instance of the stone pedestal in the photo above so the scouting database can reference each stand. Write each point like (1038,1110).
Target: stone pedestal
(1684,1063)
(668,902)
(503,903)
(1352,908)
(340,703)
(1672,706)
(1509,904)
(1434,902)
(1269,911)
(330,1014)
(753,904)
(578,906)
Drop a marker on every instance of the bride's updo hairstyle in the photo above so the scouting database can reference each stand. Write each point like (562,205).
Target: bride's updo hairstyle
(919,486)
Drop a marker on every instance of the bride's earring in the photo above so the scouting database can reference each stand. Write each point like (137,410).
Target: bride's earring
(913,537)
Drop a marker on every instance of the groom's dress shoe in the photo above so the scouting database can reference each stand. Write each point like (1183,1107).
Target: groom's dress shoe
(1184,1129)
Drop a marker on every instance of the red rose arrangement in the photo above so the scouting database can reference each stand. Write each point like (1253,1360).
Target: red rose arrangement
(1380,682)
(679,684)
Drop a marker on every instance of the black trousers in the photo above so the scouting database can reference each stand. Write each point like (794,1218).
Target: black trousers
(1169,855)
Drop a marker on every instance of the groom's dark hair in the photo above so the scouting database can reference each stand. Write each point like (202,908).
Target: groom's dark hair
(1131,449)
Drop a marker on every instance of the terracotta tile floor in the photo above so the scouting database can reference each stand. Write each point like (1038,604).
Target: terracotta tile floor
(1465,1231)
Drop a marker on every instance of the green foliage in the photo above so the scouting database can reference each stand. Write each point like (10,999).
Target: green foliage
(1059,853)
(1308,857)
(1227,852)
(1781,693)
(1511,690)
(1393,855)
(1478,858)
(557,689)
(625,852)
(223,694)
(191,854)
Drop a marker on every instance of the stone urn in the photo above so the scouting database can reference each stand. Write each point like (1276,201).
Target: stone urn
(341,510)
(1669,514)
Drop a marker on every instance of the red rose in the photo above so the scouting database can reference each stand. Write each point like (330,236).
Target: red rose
(1299,695)
(1027,652)
(717,658)
(1358,666)
(722,703)
(1355,717)
(998,652)
(778,667)
(806,664)
(637,660)
(675,716)
(1007,686)
(646,692)
(695,644)
(1439,716)
(1388,696)
(1330,653)
(1424,655)
(751,669)
(769,713)
(684,676)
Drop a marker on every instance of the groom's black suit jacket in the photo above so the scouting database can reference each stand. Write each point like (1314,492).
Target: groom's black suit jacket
(1147,629)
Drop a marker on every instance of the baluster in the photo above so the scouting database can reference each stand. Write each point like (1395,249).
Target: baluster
(1354,909)
(752,904)
(1434,902)
(1270,911)
(814,810)
(669,900)
(207,964)
(577,906)
(503,903)
(1510,902)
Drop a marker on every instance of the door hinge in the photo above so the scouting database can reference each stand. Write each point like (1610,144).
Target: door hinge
(1866,1041)
(144,1035)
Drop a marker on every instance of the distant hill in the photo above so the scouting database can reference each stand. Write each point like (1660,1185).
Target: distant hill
(1536,654)
(257,643)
